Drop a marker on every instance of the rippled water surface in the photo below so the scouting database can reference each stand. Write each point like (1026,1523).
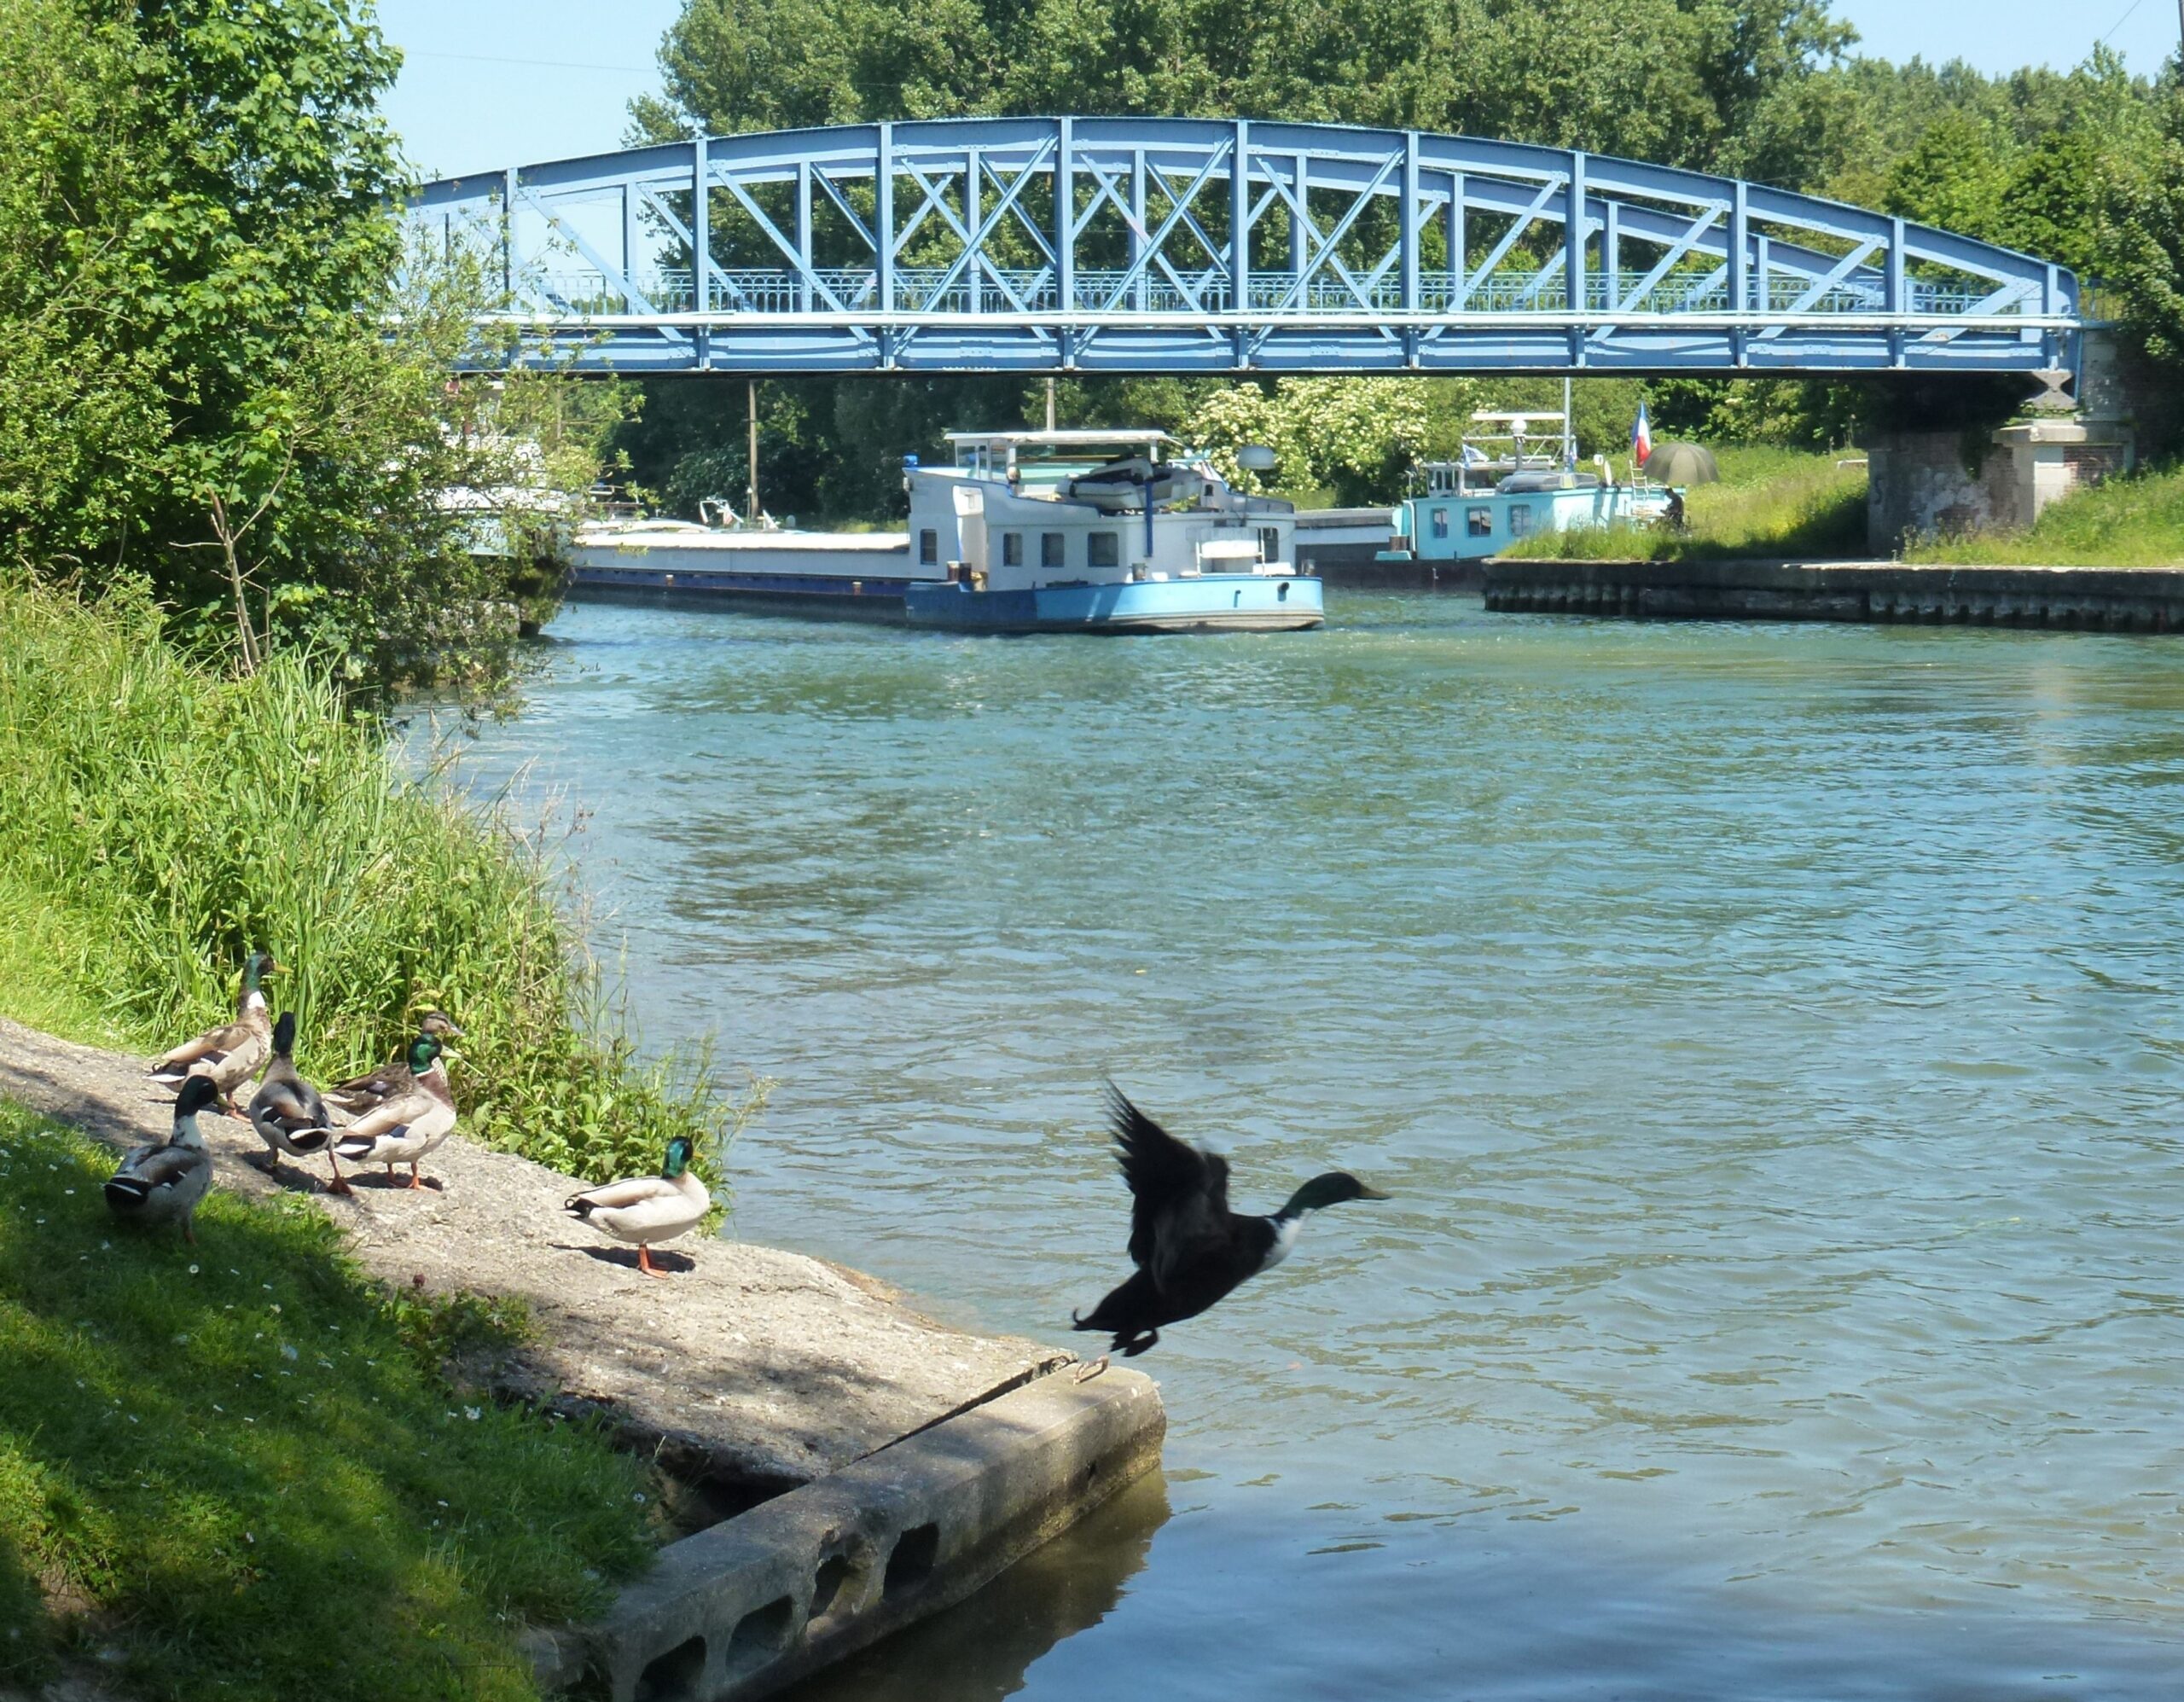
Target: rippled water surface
(1769,1035)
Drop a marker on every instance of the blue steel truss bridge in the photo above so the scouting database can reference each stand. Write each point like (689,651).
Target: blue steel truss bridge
(1120,244)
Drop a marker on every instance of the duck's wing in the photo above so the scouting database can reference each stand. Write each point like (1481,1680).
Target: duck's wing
(1179,1194)
(617,1195)
(211,1047)
(292,1105)
(145,1171)
(361,1093)
(389,1118)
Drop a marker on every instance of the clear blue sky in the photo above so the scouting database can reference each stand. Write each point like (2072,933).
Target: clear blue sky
(500,82)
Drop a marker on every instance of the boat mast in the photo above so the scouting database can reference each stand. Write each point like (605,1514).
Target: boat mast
(751,495)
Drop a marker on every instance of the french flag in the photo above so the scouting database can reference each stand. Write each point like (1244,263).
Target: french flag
(1641,436)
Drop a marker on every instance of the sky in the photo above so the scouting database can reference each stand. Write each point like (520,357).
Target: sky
(496,82)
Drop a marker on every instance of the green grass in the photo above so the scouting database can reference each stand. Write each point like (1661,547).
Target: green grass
(1771,504)
(2136,522)
(158,818)
(235,1471)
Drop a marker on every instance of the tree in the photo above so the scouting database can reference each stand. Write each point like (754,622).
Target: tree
(2145,244)
(213,370)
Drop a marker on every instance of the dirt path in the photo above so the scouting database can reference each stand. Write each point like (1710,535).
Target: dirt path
(757,1367)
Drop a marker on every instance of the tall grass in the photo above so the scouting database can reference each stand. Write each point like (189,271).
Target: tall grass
(1772,504)
(159,819)
(2135,522)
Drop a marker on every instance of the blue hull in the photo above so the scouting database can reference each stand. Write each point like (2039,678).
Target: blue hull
(1216,602)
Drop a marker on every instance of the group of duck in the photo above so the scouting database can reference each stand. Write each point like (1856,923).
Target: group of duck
(1191,1250)
(396,1115)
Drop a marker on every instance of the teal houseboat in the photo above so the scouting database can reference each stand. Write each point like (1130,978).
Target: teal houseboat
(1518,477)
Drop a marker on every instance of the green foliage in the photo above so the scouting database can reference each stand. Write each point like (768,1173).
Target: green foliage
(2136,522)
(159,820)
(2146,209)
(209,374)
(234,1470)
(1771,504)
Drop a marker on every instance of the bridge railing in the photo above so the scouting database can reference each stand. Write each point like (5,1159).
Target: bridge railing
(931,290)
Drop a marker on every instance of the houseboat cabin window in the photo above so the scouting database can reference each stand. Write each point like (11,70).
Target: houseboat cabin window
(1440,522)
(928,547)
(1479,522)
(1269,544)
(1520,520)
(1011,549)
(1050,550)
(1103,550)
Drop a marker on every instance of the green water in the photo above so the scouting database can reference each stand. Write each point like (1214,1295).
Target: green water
(1769,1036)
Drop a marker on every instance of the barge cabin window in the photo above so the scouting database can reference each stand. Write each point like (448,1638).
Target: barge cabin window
(928,547)
(1103,550)
(1011,549)
(1050,550)
(1479,522)
(1520,520)
(1440,522)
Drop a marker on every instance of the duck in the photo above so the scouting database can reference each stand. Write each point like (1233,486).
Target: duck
(1191,1250)
(162,1181)
(407,1125)
(648,1209)
(232,1054)
(287,1111)
(361,1093)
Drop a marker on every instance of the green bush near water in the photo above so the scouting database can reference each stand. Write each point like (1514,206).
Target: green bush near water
(234,1469)
(1772,504)
(157,819)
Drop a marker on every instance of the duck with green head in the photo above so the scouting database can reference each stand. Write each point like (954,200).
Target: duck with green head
(361,1093)
(1190,1249)
(229,1056)
(403,1128)
(287,1111)
(648,1209)
(163,1181)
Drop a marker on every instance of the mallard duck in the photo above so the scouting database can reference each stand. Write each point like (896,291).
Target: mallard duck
(164,1180)
(1189,1248)
(288,1113)
(649,1209)
(230,1055)
(406,1125)
(361,1093)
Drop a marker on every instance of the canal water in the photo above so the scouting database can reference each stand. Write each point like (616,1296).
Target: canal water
(1770,1036)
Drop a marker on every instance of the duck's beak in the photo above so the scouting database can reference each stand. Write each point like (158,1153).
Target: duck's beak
(1365,1192)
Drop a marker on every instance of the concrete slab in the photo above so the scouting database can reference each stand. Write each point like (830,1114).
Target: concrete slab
(754,1371)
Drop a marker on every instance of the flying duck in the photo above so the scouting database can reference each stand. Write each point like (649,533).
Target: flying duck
(232,1054)
(1189,1248)
(162,1181)
(288,1113)
(649,1209)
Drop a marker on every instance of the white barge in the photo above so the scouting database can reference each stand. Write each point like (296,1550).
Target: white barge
(1028,531)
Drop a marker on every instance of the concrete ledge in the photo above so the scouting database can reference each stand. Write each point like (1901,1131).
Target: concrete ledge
(2097,599)
(753,1604)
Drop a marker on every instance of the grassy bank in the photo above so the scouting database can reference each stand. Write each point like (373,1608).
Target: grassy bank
(234,1469)
(2128,523)
(158,818)
(1770,503)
